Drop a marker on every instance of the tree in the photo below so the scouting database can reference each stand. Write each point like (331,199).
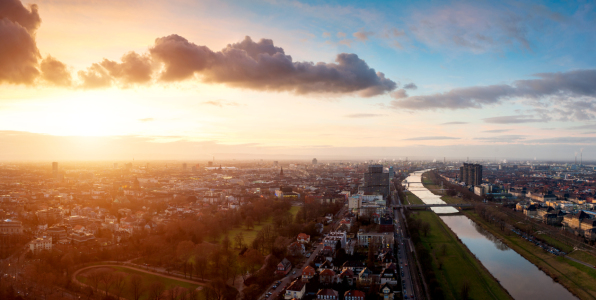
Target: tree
(119,283)
(239,240)
(249,223)
(156,289)
(425,227)
(216,289)
(106,278)
(253,291)
(136,287)
(465,290)
(95,278)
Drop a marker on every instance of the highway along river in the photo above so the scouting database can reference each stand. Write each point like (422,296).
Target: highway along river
(521,278)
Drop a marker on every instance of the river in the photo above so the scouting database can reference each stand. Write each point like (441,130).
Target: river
(521,278)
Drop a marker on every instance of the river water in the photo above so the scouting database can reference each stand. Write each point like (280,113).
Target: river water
(521,278)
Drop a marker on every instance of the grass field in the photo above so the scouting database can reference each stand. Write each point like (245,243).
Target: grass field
(413,199)
(250,235)
(456,266)
(583,256)
(147,279)
(556,243)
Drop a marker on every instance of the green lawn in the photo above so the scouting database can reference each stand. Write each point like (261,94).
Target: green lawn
(583,256)
(457,266)
(556,243)
(147,279)
(413,199)
(294,210)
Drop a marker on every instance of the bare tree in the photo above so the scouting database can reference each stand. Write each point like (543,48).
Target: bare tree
(156,290)
(106,278)
(136,287)
(95,279)
(119,281)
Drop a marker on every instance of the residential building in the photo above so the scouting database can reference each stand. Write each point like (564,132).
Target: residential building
(9,226)
(40,244)
(471,174)
(284,267)
(295,290)
(354,295)
(327,294)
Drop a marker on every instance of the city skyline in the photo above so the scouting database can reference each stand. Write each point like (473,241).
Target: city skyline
(290,79)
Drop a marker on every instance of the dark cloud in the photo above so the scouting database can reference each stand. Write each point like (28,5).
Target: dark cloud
(410,86)
(14,11)
(18,52)
(570,94)
(147,120)
(221,103)
(431,138)
(262,66)
(513,119)
(363,35)
(497,130)
(357,116)
(134,68)
(95,77)
(454,123)
(55,72)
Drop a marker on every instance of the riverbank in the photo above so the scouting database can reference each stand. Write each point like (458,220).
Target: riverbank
(576,278)
(455,267)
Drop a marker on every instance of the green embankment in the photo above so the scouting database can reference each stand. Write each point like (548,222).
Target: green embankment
(147,280)
(454,265)
(583,256)
(413,199)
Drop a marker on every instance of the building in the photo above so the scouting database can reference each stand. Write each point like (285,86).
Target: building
(77,220)
(380,239)
(314,161)
(471,174)
(376,182)
(296,290)
(333,237)
(308,272)
(303,238)
(40,244)
(57,233)
(327,294)
(284,267)
(9,226)
(354,295)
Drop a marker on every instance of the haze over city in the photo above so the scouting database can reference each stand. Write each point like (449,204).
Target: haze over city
(290,79)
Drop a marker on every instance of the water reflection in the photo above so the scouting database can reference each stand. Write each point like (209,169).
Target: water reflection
(498,243)
(414,185)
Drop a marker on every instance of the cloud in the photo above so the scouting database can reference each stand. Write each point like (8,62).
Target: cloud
(18,50)
(497,130)
(363,35)
(341,34)
(397,32)
(399,94)
(346,42)
(134,68)
(480,27)
(55,72)
(564,140)
(572,93)
(513,119)
(364,115)
(455,123)
(95,77)
(326,34)
(501,138)
(147,120)
(410,86)
(431,138)
(221,103)
(262,66)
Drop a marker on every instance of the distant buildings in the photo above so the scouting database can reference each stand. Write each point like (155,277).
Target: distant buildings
(376,182)
(314,161)
(10,227)
(40,244)
(471,174)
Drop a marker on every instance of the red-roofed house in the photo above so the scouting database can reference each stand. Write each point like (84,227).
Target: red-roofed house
(327,294)
(296,290)
(284,267)
(308,272)
(354,295)
(303,238)
(327,276)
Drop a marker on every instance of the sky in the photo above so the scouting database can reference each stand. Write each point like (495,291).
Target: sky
(277,79)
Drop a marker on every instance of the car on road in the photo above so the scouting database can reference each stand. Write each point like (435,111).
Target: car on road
(294,273)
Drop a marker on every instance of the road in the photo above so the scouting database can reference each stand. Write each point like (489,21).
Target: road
(403,254)
(285,282)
